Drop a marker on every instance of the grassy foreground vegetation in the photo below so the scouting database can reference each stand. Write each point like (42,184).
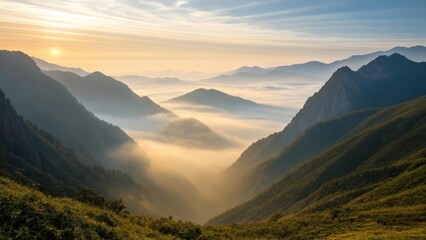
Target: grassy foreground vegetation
(26,213)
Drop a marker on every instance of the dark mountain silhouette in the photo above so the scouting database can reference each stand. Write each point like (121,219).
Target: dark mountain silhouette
(217,99)
(33,156)
(46,66)
(385,81)
(314,70)
(105,95)
(193,133)
(380,166)
(50,106)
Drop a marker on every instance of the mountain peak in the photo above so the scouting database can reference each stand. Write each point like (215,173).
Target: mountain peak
(342,73)
(97,74)
(383,66)
(17,60)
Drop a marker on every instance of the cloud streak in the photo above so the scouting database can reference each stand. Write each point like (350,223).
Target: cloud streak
(210,31)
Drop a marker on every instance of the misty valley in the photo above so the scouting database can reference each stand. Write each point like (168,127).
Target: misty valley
(90,155)
(212,120)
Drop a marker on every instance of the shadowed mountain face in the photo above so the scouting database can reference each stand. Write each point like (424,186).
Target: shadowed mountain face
(312,71)
(50,106)
(33,156)
(379,165)
(382,82)
(105,95)
(217,99)
(310,143)
(193,133)
(45,66)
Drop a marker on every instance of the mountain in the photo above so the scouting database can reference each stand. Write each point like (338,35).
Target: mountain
(46,66)
(217,99)
(50,106)
(35,157)
(105,95)
(385,81)
(193,133)
(161,81)
(375,170)
(308,144)
(187,76)
(312,71)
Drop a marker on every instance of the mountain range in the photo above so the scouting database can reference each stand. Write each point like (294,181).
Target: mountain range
(384,81)
(376,170)
(350,165)
(311,71)
(50,106)
(157,81)
(104,95)
(34,157)
(46,66)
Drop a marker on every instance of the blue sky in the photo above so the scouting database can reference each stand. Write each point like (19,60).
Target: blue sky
(347,18)
(207,35)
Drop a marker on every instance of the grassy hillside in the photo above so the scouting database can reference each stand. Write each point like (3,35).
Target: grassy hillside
(26,213)
(379,165)
(307,145)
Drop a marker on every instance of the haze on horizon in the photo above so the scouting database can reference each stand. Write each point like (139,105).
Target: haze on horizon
(120,37)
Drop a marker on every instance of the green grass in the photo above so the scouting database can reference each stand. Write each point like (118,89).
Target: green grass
(26,213)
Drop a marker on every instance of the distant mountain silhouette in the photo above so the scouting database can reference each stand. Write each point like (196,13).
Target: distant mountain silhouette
(46,66)
(217,99)
(33,156)
(163,81)
(314,70)
(377,169)
(193,133)
(384,81)
(50,106)
(103,94)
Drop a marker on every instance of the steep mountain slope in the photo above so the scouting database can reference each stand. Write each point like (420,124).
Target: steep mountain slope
(313,141)
(105,95)
(385,81)
(49,105)
(46,66)
(379,166)
(314,70)
(217,99)
(34,156)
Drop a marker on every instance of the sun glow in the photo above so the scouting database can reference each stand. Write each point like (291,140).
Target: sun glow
(54,52)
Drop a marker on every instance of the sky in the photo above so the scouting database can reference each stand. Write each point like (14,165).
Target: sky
(133,36)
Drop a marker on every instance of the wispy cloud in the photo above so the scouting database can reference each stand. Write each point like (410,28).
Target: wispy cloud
(239,26)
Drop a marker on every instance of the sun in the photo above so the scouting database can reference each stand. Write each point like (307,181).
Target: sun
(54,51)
